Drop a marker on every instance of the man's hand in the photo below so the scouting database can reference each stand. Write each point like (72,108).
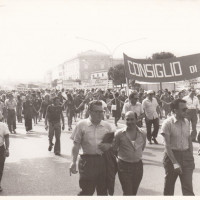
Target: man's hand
(104,146)
(6,153)
(177,169)
(63,127)
(72,169)
(46,127)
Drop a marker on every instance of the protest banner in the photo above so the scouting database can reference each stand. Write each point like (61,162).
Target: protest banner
(163,70)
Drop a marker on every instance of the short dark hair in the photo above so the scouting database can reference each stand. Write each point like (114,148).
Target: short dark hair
(133,94)
(94,103)
(175,104)
(116,94)
(55,98)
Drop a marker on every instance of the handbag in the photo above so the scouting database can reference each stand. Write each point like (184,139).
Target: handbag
(114,107)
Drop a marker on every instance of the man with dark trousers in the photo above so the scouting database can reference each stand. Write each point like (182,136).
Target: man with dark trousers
(178,159)
(88,135)
(54,115)
(192,103)
(151,110)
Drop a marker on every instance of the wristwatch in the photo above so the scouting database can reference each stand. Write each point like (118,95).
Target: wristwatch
(176,165)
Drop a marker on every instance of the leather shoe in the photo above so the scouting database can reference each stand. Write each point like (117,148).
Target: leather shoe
(155,141)
(50,147)
(150,142)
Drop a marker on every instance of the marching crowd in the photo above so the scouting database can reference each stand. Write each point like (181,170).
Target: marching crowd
(107,150)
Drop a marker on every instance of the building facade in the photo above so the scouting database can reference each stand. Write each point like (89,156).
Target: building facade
(86,67)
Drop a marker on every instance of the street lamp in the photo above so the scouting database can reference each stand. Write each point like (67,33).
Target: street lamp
(108,49)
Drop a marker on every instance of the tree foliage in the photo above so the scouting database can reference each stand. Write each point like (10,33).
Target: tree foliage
(162,55)
(117,74)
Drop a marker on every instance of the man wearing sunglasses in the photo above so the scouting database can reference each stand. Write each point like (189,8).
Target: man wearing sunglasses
(88,135)
(135,106)
(178,159)
(193,106)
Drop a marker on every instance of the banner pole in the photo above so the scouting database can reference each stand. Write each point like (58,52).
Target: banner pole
(127,81)
(160,85)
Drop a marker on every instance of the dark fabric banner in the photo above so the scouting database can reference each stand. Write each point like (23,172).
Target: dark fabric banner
(163,70)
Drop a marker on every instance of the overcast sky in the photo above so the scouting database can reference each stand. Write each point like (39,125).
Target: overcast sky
(36,35)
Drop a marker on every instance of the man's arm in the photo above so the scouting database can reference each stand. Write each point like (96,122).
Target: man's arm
(46,118)
(168,148)
(63,121)
(190,144)
(75,151)
(7,142)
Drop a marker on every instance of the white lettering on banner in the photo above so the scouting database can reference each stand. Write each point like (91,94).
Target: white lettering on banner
(131,67)
(161,75)
(168,75)
(175,69)
(193,69)
(150,71)
(142,70)
(157,70)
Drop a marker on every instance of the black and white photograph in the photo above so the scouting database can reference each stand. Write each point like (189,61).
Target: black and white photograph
(99,98)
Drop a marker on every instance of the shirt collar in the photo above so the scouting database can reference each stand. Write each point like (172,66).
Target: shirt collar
(125,129)
(176,120)
(91,124)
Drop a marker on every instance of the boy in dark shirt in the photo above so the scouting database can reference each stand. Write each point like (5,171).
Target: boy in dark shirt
(53,116)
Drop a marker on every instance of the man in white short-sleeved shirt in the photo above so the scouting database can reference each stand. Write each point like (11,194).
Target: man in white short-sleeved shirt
(151,110)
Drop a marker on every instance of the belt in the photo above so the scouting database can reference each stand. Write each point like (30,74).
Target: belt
(182,150)
(91,155)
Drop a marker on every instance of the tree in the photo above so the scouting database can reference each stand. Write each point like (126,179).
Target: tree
(117,74)
(162,55)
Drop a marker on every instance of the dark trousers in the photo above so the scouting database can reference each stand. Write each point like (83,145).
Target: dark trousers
(186,161)
(55,129)
(11,120)
(149,123)
(2,161)
(130,176)
(19,114)
(192,118)
(70,116)
(117,119)
(28,123)
(92,172)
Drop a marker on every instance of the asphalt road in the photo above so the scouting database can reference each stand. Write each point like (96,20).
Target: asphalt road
(32,170)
